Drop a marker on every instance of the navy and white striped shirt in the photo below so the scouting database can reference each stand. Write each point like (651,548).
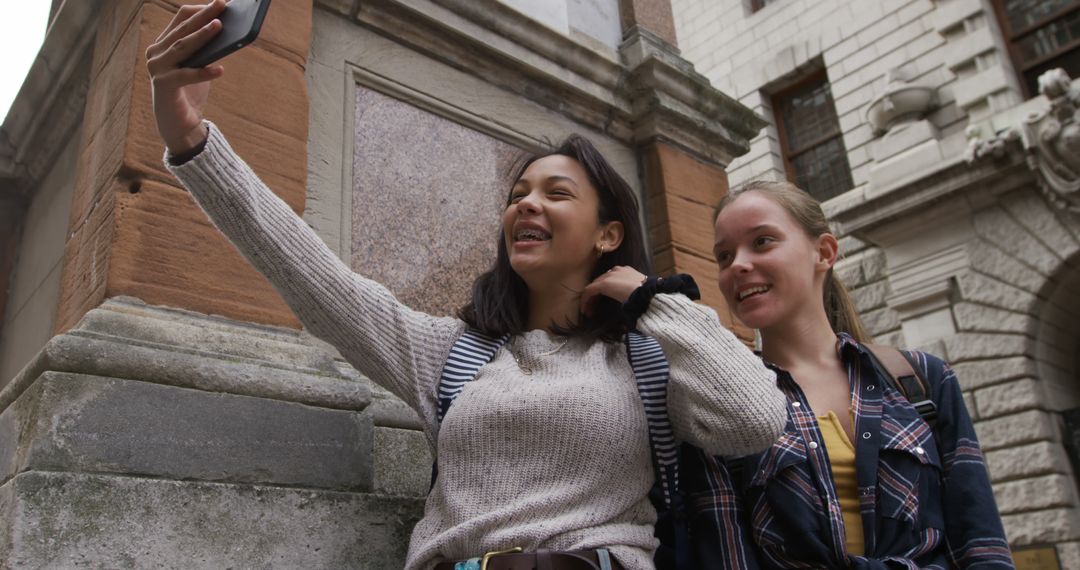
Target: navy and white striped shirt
(925,501)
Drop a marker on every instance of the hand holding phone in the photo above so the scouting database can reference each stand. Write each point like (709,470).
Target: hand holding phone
(240,24)
(180,94)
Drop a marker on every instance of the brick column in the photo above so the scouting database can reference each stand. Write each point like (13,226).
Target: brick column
(652,15)
(682,157)
(681,192)
(134,231)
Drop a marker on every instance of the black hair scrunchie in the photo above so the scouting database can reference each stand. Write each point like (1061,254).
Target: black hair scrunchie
(639,300)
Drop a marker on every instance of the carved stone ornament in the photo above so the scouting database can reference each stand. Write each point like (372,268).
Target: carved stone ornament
(995,147)
(902,102)
(1052,141)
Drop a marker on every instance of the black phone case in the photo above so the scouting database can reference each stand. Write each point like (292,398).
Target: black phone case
(240,24)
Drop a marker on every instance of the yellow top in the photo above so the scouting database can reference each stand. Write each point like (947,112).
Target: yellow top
(842,458)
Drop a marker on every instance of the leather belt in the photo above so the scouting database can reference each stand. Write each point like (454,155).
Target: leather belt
(544,560)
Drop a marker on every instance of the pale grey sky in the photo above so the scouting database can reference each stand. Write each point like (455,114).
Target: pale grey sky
(22,29)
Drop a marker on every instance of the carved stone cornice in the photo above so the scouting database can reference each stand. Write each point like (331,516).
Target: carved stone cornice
(976,184)
(671,101)
(644,93)
(50,104)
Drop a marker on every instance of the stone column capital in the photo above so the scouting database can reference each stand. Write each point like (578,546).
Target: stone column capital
(671,101)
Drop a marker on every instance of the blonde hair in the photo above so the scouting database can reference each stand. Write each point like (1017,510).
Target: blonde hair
(806,211)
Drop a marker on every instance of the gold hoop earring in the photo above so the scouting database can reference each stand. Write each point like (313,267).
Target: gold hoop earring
(600,249)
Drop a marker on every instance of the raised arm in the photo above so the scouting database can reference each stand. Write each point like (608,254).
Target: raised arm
(401,349)
(721,397)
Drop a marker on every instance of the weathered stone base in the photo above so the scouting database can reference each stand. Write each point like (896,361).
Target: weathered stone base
(149,437)
(69,520)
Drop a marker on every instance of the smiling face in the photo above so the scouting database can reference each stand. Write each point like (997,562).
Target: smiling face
(771,271)
(551,224)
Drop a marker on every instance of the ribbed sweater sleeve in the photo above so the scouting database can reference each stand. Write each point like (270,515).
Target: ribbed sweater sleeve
(721,397)
(398,348)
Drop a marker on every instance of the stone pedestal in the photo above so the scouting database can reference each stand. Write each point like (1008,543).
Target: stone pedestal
(148,436)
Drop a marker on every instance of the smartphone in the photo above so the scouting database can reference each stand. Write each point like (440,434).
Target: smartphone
(240,23)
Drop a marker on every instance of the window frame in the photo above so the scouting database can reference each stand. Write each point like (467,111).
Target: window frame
(1014,37)
(776,98)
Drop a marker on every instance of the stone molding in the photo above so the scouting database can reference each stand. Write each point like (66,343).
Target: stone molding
(126,339)
(50,104)
(995,147)
(975,185)
(651,94)
(902,102)
(925,284)
(417,98)
(674,103)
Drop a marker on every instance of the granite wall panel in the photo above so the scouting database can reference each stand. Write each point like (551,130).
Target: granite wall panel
(427,198)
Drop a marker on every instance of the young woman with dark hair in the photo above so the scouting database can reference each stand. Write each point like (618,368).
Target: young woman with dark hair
(860,478)
(547,449)
(500,297)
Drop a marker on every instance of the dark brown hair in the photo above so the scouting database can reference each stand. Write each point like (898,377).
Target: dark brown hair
(806,211)
(500,298)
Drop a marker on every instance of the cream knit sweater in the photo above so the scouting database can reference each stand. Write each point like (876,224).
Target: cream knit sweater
(557,459)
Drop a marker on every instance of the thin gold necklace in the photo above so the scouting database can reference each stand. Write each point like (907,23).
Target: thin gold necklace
(525,369)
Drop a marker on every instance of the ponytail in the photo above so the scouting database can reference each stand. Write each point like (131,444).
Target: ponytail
(843,317)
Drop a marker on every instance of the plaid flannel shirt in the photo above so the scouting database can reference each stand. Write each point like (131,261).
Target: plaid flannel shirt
(925,500)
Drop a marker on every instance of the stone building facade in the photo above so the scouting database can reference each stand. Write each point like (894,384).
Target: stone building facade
(952,177)
(159,404)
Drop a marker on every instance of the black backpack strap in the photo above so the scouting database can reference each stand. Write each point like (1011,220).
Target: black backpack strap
(900,371)
(651,373)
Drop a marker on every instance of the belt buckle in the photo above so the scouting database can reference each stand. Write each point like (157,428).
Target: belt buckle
(489,555)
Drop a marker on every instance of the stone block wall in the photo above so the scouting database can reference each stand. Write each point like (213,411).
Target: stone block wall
(156,437)
(1015,355)
(750,55)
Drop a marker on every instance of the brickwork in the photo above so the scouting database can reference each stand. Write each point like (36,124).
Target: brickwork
(133,230)
(680,195)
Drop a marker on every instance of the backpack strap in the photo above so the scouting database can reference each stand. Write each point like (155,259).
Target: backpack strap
(470,352)
(651,376)
(897,368)
(651,373)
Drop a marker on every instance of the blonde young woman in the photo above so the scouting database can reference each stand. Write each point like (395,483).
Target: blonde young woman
(859,478)
(547,449)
